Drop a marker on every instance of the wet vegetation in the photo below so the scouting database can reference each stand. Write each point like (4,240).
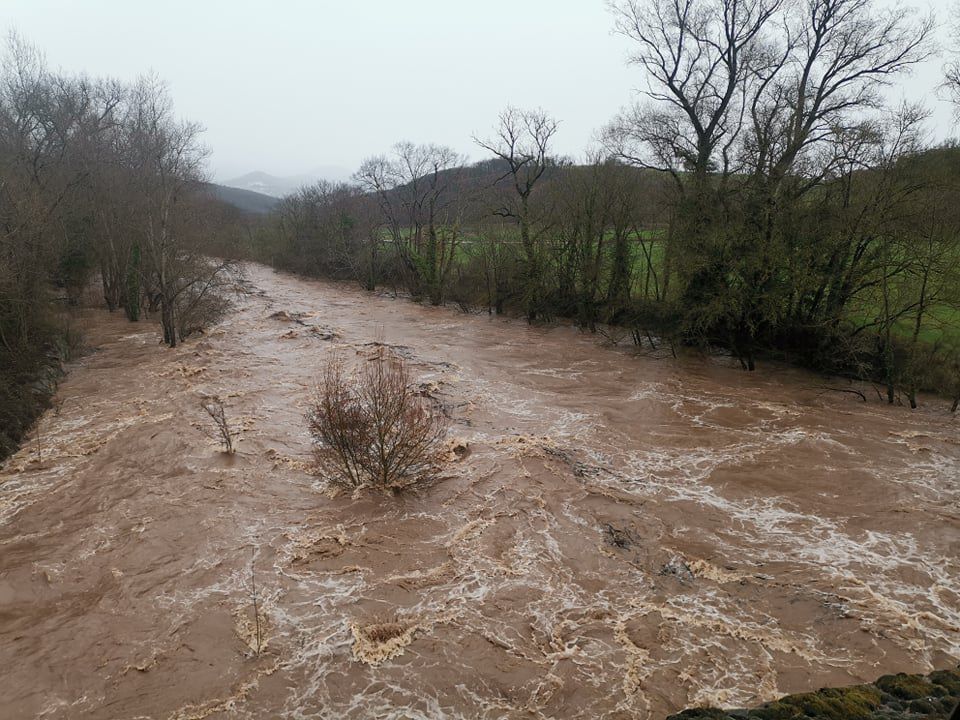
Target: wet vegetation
(909,697)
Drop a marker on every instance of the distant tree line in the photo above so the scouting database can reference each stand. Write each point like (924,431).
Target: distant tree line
(761,196)
(98,181)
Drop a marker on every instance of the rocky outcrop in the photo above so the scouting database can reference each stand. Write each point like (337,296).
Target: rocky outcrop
(892,697)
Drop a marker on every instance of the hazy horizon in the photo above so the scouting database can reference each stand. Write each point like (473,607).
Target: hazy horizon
(303,85)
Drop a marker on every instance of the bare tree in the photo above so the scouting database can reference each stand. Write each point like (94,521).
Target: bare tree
(321,230)
(51,128)
(522,142)
(417,187)
(697,56)
(497,260)
(94,174)
(834,60)
(750,105)
(951,70)
(790,73)
(598,212)
(169,159)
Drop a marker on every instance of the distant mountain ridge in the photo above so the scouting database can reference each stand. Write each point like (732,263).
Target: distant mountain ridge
(244,200)
(277,186)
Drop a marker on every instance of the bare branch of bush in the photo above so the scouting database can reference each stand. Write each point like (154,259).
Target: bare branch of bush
(256,609)
(204,299)
(39,442)
(612,335)
(215,409)
(373,427)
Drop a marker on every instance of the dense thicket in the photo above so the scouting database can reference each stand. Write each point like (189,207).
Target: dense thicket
(98,181)
(760,196)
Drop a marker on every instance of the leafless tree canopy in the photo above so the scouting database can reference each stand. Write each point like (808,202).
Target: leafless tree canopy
(99,182)
(420,199)
(951,70)
(735,84)
(522,143)
(373,428)
(698,55)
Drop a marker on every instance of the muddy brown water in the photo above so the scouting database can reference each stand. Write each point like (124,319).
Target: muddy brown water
(624,536)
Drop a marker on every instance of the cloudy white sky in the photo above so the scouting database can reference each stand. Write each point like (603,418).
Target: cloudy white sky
(291,85)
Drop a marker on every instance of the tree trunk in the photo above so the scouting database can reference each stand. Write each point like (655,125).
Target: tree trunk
(131,304)
(167,320)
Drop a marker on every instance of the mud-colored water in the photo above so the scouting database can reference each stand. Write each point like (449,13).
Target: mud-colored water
(626,536)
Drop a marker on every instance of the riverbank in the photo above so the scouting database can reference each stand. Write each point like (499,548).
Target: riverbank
(28,379)
(891,697)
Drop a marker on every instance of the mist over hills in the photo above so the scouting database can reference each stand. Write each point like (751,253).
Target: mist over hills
(278,186)
(247,201)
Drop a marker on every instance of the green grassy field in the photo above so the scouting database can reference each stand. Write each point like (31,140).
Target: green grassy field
(940,327)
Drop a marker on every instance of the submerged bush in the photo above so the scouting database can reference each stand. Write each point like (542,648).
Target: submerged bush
(372,428)
(223,433)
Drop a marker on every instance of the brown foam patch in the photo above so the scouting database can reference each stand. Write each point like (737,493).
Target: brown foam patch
(530,445)
(253,632)
(637,666)
(317,543)
(425,578)
(374,643)
(184,371)
(456,449)
(708,571)
(282,461)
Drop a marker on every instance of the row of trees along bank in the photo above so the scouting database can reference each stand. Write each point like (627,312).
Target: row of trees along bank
(99,181)
(761,196)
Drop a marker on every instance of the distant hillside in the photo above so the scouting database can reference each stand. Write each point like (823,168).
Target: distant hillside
(277,187)
(245,200)
(260,192)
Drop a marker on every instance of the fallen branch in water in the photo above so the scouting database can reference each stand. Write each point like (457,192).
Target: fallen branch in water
(256,607)
(844,390)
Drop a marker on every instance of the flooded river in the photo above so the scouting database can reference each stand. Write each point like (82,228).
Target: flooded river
(617,536)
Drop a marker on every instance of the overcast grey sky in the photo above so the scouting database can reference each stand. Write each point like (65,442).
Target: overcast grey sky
(290,85)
